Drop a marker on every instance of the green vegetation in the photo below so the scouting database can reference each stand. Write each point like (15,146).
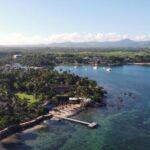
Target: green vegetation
(24,93)
(31,99)
(85,57)
(51,56)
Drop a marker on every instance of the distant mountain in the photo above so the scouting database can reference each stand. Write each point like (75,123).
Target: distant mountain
(126,43)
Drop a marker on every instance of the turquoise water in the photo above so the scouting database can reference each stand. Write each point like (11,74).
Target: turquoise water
(124,124)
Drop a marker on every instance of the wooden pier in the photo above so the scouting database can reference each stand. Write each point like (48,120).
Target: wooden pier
(65,113)
(90,125)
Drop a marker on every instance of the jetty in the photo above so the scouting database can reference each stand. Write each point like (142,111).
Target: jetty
(90,125)
(65,112)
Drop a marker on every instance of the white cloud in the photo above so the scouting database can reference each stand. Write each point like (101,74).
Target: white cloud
(18,38)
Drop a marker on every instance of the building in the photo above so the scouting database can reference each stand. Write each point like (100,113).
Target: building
(62,99)
(16,56)
(74,100)
(61,88)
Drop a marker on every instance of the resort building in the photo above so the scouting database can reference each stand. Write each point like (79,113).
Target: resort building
(17,56)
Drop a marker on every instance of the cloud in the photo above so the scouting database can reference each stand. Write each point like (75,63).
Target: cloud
(19,39)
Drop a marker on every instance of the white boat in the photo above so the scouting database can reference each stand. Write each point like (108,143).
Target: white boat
(95,67)
(108,69)
(45,122)
(75,67)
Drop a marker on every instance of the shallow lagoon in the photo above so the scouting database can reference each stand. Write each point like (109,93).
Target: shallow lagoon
(124,124)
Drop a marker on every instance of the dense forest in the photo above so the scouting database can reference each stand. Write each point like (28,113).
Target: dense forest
(24,93)
(52,57)
(89,58)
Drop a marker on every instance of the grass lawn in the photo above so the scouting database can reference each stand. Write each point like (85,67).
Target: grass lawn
(31,98)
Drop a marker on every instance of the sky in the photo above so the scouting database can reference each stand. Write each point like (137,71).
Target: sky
(48,21)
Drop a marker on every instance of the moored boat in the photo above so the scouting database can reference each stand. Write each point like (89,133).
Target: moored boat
(108,69)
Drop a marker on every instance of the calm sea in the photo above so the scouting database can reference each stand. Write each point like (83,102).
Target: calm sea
(124,124)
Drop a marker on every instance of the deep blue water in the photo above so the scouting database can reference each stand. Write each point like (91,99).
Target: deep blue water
(124,122)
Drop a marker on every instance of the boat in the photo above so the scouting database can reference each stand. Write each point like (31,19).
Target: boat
(75,67)
(95,67)
(108,69)
(45,122)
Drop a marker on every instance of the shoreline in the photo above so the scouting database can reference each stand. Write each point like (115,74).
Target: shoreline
(11,130)
(141,63)
(62,111)
(105,65)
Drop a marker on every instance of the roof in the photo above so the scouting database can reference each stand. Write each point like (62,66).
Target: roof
(73,98)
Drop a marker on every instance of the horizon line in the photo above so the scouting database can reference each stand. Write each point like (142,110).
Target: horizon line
(21,39)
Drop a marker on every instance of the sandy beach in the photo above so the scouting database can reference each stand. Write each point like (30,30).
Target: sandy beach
(66,110)
(60,111)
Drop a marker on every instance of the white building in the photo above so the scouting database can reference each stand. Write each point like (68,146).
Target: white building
(17,56)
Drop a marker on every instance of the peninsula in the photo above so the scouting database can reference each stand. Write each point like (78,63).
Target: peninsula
(27,93)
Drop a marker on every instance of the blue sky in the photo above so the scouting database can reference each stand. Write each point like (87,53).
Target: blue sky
(45,18)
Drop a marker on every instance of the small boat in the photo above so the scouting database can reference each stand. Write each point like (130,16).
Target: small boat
(45,122)
(95,67)
(75,67)
(108,69)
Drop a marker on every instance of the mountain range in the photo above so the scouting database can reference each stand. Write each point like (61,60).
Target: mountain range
(126,43)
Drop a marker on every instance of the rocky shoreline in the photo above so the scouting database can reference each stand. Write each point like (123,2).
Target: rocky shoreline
(65,111)
(22,126)
(142,63)
(60,111)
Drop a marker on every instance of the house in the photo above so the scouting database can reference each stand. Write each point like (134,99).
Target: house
(61,88)
(74,100)
(87,102)
(62,99)
(17,56)
(60,80)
